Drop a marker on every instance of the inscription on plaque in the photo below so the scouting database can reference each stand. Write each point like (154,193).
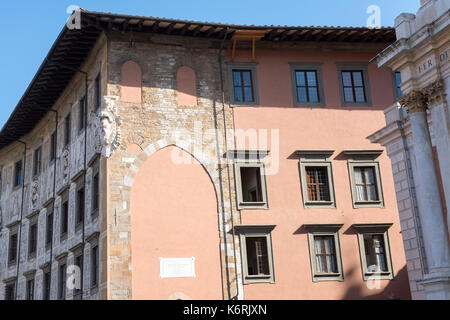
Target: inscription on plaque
(177,267)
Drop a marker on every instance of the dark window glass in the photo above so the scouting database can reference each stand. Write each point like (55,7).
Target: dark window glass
(325,254)
(80,206)
(243,86)
(37,161)
(354,90)
(95,192)
(64,218)
(307,86)
(49,229)
(365,184)
(82,114)
(12,248)
(375,252)
(30,289)
(62,282)
(94,266)
(251,184)
(46,285)
(97,92)
(18,174)
(398,82)
(257,256)
(79,264)
(10,291)
(53,147)
(33,239)
(317,184)
(67,130)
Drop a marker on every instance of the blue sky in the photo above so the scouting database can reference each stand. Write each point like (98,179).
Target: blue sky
(29,30)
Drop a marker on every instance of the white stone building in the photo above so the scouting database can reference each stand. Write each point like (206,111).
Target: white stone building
(417,137)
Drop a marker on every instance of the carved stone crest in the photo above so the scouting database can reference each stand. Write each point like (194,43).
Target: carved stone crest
(65,165)
(34,193)
(106,125)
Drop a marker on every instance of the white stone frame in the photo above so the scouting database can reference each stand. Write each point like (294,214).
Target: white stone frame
(253,231)
(325,230)
(362,158)
(316,158)
(381,229)
(250,159)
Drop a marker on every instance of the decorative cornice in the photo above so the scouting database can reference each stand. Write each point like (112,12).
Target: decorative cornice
(415,100)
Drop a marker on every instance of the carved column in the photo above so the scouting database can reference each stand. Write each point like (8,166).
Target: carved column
(437,282)
(438,106)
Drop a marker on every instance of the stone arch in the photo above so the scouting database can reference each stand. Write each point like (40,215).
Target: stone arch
(186,86)
(162,199)
(131,82)
(149,149)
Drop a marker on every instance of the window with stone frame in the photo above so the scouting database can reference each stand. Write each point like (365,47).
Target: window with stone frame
(316,176)
(46,284)
(250,176)
(94,265)
(37,162)
(64,217)
(67,129)
(243,83)
(398,83)
(30,289)
(49,226)
(62,276)
(365,178)
(32,238)
(80,202)
(325,252)
(82,114)
(52,148)
(375,251)
(12,245)
(10,291)
(97,92)
(307,84)
(354,84)
(18,173)
(95,204)
(256,249)
(78,262)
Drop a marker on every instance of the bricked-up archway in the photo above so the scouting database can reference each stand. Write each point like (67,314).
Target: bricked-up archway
(174,215)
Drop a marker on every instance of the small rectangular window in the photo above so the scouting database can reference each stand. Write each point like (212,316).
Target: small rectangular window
(316,176)
(37,163)
(243,86)
(94,266)
(49,229)
(325,255)
(82,114)
(18,173)
(62,282)
(252,193)
(97,92)
(307,86)
(46,285)
(398,83)
(10,291)
(64,218)
(365,178)
(32,239)
(80,206)
(12,248)
(30,289)
(53,147)
(256,246)
(375,252)
(354,90)
(79,264)
(95,192)
(67,130)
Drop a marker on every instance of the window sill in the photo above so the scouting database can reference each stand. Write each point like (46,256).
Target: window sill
(368,204)
(258,279)
(384,275)
(328,277)
(320,204)
(252,205)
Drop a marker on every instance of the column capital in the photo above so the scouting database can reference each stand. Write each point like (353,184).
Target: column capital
(435,93)
(415,100)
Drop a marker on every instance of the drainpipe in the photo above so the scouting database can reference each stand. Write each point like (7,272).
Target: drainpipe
(228,166)
(412,194)
(21,215)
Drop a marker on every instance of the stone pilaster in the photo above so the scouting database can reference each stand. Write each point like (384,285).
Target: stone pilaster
(437,282)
